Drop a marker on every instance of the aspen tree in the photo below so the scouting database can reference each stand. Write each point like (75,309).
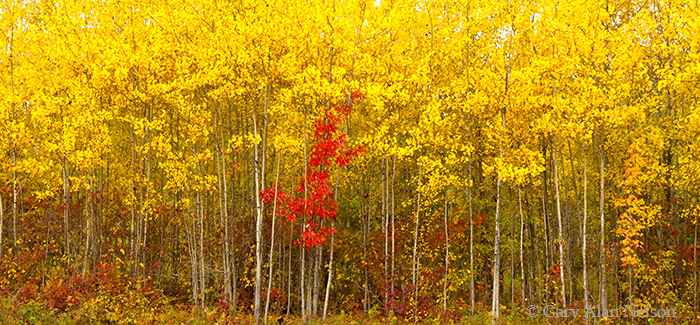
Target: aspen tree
(257,171)
(272,235)
(559,228)
(585,226)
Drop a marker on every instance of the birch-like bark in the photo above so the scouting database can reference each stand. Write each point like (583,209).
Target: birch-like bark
(447,256)
(545,221)
(560,237)
(272,235)
(258,221)
(603,294)
(512,263)
(191,249)
(695,267)
(522,261)
(223,204)
(585,225)
(66,198)
(304,311)
(367,211)
(232,256)
(385,224)
(330,259)
(202,274)
(416,269)
(289,269)
(393,233)
(495,301)
(87,226)
(14,149)
(2,218)
(471,232)
(317,278)
(147,202)
(14,199)
(132,231)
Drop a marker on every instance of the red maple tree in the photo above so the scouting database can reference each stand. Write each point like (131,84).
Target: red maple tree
(329,148)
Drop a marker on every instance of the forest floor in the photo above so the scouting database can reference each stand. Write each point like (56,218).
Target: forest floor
(12,313)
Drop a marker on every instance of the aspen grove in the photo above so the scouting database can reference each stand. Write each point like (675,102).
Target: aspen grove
(390,160)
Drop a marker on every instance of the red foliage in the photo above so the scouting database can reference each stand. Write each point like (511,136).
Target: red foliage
(328,148)
(61,295)
(27,293)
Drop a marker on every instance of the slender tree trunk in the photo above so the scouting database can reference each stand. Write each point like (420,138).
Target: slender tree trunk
(14,200)
(522,260)
(447,257)
(302,278)
(317,279)
(87,228)
(2,218)
(258,222)
(585,225)
(695,267)
(223,204)
(495,298)
(385,225)
(132,231)
(393,234)
(232,256)
(193,265)
(330,273)
(191,248)
(471,233)
(95,222)
(202,274)
(603,294)
(512,263)
(416,269)
(14,149)
(560,237)
(495,302)
(330,260)
(319,251)
(535,268)
(630,280)
(220,176)
(66,205)
(272,235)
(147,203)
(46,244)
(304,310)
(571,228)
(289,269)
(309,286)
(365,234)
(545,219)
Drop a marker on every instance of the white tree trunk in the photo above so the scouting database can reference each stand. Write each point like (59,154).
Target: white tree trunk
(272,235)
(603,294)
(416,267)
(585,225)
(561,238)
(522,261)
(447,257)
